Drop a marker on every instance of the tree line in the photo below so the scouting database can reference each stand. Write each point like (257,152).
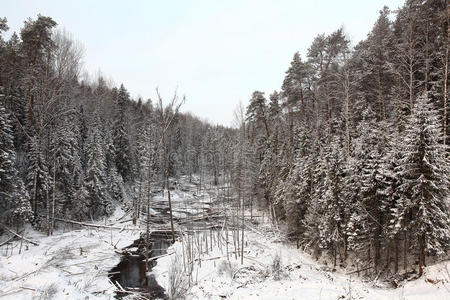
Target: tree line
(74,148)
(352,152)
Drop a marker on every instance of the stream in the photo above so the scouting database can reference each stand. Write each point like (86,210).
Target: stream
(130,273)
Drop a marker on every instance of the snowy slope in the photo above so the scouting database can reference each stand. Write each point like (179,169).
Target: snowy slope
(70,265)
(300,277)
(74,265)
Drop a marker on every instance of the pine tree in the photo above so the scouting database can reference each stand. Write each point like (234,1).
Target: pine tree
(274,109)
(293,84)
(375,76)
(405,55)
(324,56)
(257,111)
(37,48)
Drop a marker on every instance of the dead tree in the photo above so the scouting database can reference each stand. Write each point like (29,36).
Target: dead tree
(166,116)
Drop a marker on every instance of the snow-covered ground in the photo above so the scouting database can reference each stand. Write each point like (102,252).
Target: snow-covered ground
(299,276)
(67,265)
(74,265)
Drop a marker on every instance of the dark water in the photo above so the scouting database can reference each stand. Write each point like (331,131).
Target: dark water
(130,272)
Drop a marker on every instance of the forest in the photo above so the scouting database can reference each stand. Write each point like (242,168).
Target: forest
(350,156)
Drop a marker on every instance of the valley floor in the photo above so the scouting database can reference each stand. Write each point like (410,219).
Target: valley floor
(300,277)
(74,265)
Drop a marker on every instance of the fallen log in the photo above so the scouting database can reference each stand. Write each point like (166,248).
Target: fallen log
(19,236)
(357,271)
(253,229)
(159,256)
(7,241)
(96,225)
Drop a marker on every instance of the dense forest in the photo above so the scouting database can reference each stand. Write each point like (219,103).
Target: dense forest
(353,151)
(351,154)
(74,149)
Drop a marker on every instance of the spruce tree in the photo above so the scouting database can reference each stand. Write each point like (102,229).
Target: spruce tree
(121,142)
(365,225)
(14,201)
(422,208)
(38,176)
(332,223)
(66,160)
(98,202)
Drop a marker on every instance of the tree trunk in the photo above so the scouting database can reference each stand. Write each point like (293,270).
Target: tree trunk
(53,200)
(396,241)
(302,103)
(347,116)
(266,127)
(329,118)
(47,187)
(427,59)
(377,241)
(388,255)
(166,172)
(405,252)
(35,189)
(334,254)
(138,202)
(421,239)
(411,67)
(345,247)
(47,208)
(215,176)
(446,76)
(380,97)
(30,106)
(375,256)
(147,231)
(170,205)
(251,207)
(242,233)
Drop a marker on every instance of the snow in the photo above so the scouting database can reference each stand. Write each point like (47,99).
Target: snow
(74,265)
(301,276)
(67,265)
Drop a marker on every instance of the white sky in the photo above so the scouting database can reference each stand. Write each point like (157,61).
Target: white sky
(216,52)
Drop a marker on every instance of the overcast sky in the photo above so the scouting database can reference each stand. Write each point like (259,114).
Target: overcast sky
(215,52)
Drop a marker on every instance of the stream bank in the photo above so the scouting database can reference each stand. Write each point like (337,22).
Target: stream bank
(130,274)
